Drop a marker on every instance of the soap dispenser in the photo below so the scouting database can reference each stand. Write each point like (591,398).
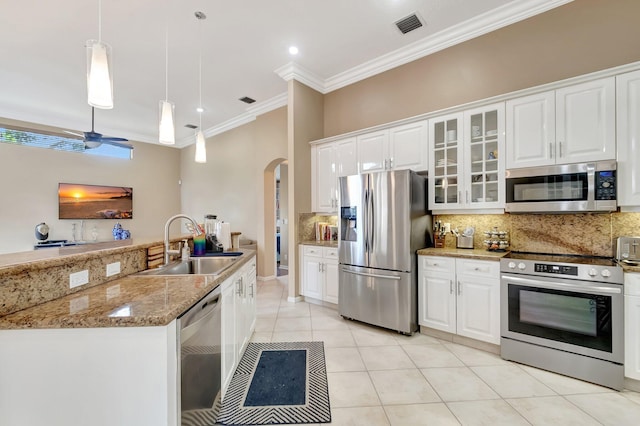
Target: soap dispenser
(186,253)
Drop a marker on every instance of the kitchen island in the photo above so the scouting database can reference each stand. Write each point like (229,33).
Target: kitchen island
(102,355)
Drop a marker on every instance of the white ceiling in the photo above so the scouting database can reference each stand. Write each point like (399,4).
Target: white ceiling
(244,49)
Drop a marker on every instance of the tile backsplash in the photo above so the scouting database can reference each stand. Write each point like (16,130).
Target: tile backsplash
(306,225)
(591,234)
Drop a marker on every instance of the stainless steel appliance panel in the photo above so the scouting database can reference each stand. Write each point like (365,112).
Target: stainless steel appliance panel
(389,221)
(559,322)
(384,298)
(200,369)
(562,188)
(353,202)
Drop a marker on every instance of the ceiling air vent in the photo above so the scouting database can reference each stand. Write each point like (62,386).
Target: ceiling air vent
(409,23)
(190,126)
(247,100)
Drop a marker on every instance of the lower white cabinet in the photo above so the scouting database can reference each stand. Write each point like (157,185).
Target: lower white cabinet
(319,272)
(460,296)
(238,317)
(632,325)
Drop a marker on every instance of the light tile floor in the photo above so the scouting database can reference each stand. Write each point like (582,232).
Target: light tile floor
(379,377)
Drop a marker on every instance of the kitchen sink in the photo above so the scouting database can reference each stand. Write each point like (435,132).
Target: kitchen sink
(194,266)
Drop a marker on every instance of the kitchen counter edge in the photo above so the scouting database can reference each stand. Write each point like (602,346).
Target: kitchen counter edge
(477,254)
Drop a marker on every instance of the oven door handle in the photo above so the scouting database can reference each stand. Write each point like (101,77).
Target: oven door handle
(562,286)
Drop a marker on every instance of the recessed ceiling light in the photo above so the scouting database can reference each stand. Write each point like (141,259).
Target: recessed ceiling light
(200,109)
(293,50)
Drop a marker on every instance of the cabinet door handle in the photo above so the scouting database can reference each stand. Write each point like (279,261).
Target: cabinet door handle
(467,192)
(391,163)
(560,154)
(459,288)
(450,286)
(319,267)
(251,287)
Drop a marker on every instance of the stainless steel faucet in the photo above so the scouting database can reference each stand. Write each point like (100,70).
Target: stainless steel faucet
(167,251)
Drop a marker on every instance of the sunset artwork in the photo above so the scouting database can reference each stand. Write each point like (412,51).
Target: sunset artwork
(79,201)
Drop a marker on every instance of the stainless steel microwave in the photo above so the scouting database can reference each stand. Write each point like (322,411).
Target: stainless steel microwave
(565,188)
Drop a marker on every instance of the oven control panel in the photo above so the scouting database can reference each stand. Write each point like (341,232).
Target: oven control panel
(556,269)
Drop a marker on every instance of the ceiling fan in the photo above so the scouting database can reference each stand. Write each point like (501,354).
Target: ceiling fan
(92,139)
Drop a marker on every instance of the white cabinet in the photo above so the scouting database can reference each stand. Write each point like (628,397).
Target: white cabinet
(396,148)
(238,317)
(531,130)
(628,133)
(329,161)
(570,125)
(460,296)
(632,325)
(319,273)
(467,162)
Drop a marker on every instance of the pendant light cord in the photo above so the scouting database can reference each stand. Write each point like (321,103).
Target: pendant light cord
(200,71)
(100,20)
(166,54)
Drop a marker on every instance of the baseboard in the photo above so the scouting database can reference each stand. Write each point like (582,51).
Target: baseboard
(269,278)
(466,341)
(295,299)
(286,267)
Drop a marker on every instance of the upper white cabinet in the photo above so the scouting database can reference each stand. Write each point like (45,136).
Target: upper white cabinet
(467,163)
(531,130)
(628,131)
(329,161)
(396,148)
(570,125)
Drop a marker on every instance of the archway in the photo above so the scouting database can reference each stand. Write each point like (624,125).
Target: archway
(267,253)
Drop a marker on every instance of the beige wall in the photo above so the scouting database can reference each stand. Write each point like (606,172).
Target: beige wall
(29,181)
(305,118)
(231,184)
(580,37)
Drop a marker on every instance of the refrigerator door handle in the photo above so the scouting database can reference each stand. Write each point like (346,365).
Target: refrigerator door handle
(371,221)
(388,277)
(365,214)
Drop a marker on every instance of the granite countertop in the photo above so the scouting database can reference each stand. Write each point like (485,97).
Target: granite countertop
(59,255)
(478,254)
(131,301)
(333,243)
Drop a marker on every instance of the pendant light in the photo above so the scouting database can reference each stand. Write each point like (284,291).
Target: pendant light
(167,130)
(201,149)
(99,70)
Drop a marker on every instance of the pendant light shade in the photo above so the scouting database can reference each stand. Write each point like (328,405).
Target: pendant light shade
(201,149)
(99,75)
(167,128)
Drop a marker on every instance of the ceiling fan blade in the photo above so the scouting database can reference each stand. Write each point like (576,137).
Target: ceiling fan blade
(111,141)
(109,138)
(80,135)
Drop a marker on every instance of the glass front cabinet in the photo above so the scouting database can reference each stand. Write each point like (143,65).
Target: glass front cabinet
(467,167)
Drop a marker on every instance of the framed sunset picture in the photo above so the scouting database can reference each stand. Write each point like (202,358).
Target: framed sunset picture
(80,201)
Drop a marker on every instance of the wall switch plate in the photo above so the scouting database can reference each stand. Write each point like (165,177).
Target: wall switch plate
(113,268)
(78,278)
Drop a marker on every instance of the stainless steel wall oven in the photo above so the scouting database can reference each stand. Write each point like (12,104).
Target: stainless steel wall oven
(564,314)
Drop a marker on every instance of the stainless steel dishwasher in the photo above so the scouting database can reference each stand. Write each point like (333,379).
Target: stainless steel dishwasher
(199,337)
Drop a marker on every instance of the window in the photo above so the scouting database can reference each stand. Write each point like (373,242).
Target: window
(42,139)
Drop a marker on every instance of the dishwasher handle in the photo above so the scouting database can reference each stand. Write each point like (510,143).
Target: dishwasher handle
(201,309)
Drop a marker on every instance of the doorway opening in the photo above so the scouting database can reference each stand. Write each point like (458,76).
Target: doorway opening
(281,219)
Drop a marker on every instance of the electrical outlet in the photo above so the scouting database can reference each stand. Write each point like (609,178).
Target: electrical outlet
(113,268)
(78,278)
(447,228)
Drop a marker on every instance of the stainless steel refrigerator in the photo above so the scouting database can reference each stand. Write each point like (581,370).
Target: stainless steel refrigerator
(383,222)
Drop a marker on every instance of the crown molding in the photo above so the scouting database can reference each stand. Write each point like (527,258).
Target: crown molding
(490,21)
(252,113)
(293,71)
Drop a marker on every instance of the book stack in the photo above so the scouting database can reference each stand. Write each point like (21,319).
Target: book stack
(323,231)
